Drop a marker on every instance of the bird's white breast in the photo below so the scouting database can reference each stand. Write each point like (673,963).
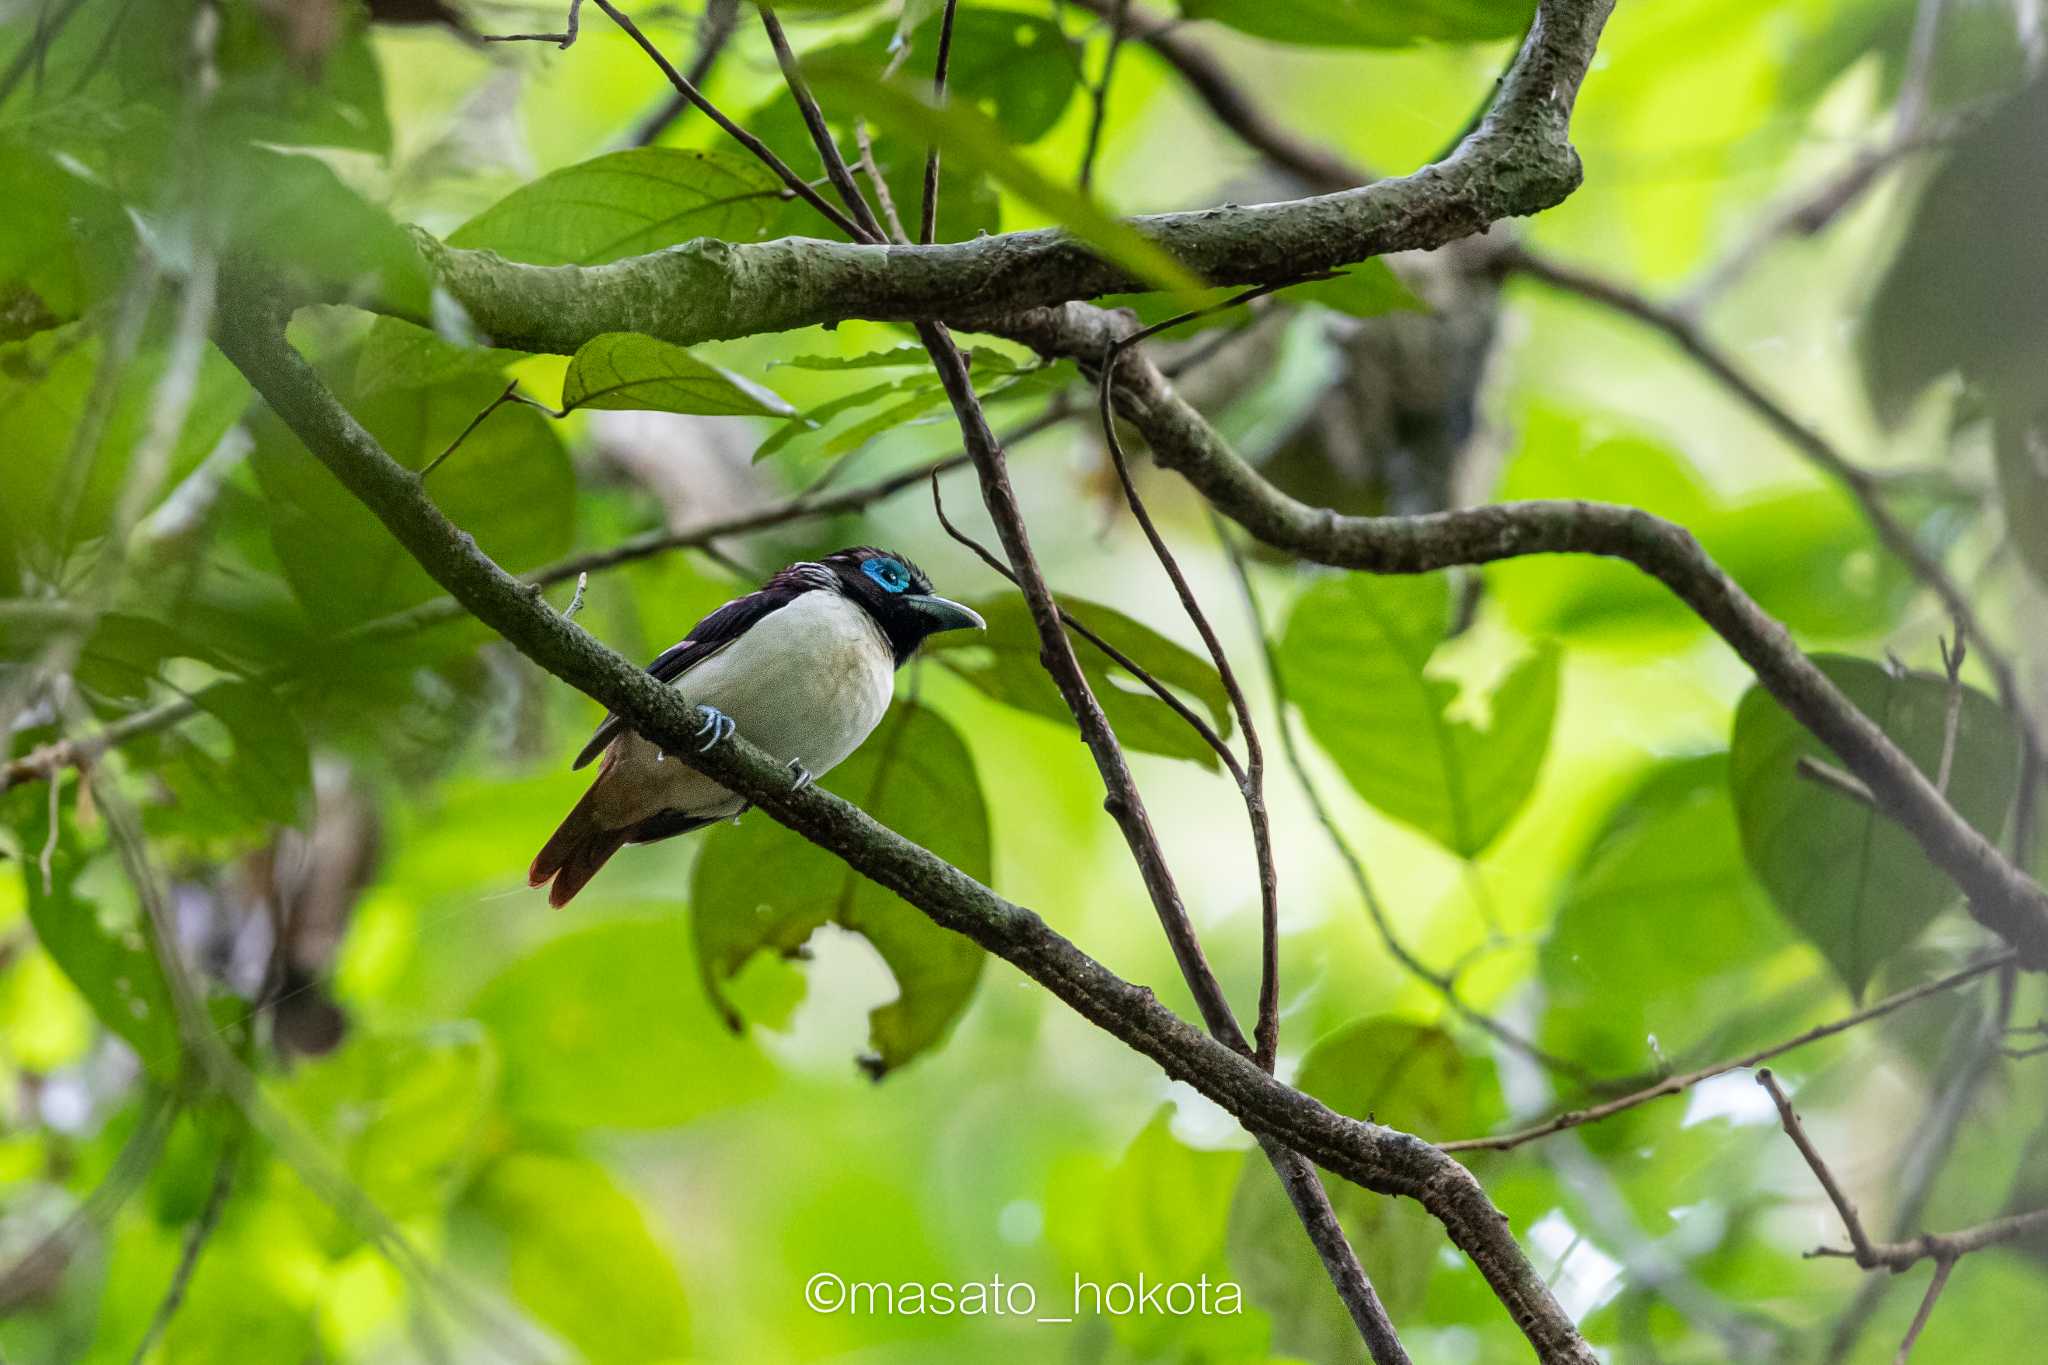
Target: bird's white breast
(809,682)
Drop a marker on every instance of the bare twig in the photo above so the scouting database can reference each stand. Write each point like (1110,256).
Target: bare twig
(195,1244)
(884,200)
(576,602)
(1796,1130)
(1942,1266)
(928,218)
(566,38)
(1938,1246)
(1673,1085)
(507,396)
(1099,92)
(1952,664)
(715,28)
(687,89)
(1827,775)
(836,169)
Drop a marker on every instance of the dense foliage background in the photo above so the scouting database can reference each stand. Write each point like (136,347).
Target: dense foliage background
(471,1128)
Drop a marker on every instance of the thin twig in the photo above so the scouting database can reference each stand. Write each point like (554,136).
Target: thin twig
(195,1244)
(836,169)
(928,219)
(1252,777)
(884,200)
(721,19)
(1952,664)
(565,39)
(1942,1266)
(1099,93)
(1796,1130)
(1825,774)
(688,90)
(576,602)
(510,390)
(1673,1085)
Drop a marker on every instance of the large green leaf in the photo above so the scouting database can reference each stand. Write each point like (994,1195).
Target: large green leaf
(1367,23)
(509,485)
(1357,651)
(628,203)
(628,370)
(2022,450)
(915,775)
(293,214)
(63,240)
(1003,663)
(580,1256)
(1852,882)
(597,1029)
(1407,1075)
(1660,929)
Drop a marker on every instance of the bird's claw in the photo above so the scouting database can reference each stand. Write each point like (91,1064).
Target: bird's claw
(802,775)
(718,726)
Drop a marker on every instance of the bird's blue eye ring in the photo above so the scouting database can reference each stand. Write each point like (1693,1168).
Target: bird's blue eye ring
(892,576)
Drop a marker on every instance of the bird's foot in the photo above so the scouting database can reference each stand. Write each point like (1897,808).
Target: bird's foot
(802,774)
(719,728)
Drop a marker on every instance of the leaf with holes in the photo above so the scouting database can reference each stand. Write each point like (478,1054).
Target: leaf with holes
(1852,882)
(1002,662)
(1356,656)
(626,204)
(758,887)
(628,370)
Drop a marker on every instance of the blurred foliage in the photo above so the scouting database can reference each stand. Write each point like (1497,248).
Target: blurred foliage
(635,1131)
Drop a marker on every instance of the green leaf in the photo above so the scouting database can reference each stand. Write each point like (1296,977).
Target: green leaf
(407,1114)
(1659,929)
(110,962)
(582,1258)
(1851,882)
(294,214)
(400,355)
(1357,651)
(594,1032)
(1003,663)
(1407,1075)
(626,204)
(46,383)
(265,96)
(509,485)
(628,370)
(1367,23)
(915,775)
(272,773)
(64,241)
(980,359)
(968,138)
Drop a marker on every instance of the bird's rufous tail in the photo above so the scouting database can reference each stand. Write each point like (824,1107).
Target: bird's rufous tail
(574,852)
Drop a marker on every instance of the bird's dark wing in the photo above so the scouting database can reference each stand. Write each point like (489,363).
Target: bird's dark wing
(705,639)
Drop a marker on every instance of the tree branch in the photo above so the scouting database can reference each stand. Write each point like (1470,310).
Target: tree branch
(1377,1158)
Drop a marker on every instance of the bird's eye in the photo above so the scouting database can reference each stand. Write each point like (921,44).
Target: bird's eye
(892,576)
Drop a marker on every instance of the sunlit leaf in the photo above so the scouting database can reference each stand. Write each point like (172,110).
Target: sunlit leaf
(628,203)
(1850,881)
(1357,654)
(628,370)
(1003,663)
(915,775)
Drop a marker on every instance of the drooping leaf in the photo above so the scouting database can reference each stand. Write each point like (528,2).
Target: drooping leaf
(1357,653)
(1003,663)
(1850,881)
(916,776)
(582,1258)
(628,370)
(1368,23)
(599,1029)
(1409,1076)
(628,203)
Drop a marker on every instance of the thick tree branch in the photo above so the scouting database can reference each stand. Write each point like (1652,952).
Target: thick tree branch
(1377,1158)
(1518,161)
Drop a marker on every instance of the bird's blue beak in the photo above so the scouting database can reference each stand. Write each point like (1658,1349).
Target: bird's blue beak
(941,613)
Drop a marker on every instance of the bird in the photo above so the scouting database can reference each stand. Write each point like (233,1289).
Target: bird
(804,668)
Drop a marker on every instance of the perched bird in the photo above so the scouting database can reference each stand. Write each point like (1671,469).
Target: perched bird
(804,668)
